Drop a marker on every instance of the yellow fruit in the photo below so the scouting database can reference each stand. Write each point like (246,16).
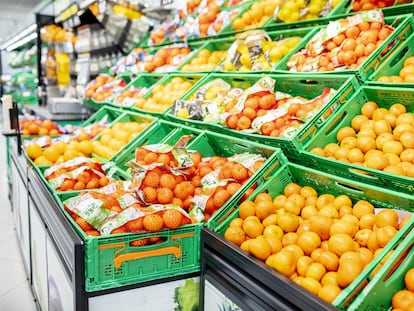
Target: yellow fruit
(34,151)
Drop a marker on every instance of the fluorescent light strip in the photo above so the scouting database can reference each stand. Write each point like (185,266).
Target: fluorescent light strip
(21,42)
(30,30)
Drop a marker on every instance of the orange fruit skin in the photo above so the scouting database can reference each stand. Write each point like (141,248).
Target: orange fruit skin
(172,218)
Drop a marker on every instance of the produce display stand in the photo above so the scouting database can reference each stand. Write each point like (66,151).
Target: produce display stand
(67,272)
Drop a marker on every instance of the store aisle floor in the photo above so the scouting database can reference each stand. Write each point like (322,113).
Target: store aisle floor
(15,292)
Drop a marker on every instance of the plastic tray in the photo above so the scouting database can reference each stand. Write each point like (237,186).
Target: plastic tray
(393,64)
(325,183)
(403,25)
(384,97)
(111,262)
(301,85)
(388,280)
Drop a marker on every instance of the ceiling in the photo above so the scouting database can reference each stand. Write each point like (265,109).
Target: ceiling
(16,15)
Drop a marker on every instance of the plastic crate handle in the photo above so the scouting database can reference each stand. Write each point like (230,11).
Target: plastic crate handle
(119,259)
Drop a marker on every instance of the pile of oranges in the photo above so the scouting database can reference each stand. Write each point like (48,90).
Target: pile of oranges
(205,60)
(378,138)
(320,241)
(166,56)
(404,299)
(208,16)
(406,74)
(161,186)
(365,5)
(163,95)
(129,96)
(348,49)
(77,176)
(39,127)
(96,91)
(256,16)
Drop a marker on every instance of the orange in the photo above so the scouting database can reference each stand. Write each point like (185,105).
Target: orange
(263,209)
(330,260)
(382,138)
(385,234)
(330,149)
(404,221)
(173,218)
(324,200)
(403,299)
(289,238)
(308,191)
(275,243)
(260,248)
(303,264)
(362,236)
(341,243)
(295,250)
(347,272)
(392,146)
(362,208)
(284,262)
(407,139)
(345,132)
(311,285)
(321,225)
(345,210)
(366,255)
(308,212)
(279,201)
(343,226)
(366,143)
(351,256)
(329,278)
(357,121)
(247,208)
(329,292)
(387,217)
(342,200)
(303,227)
(245,245)
(270,220)
(308,241)
(292,188)
(252,227)
(164,195)
(368,109)
(288,222)
(372,242)
(273,231)
(316,254)
(316,271)
(351,218)
(236,222)
(409,279)
(329,211)
(153,222)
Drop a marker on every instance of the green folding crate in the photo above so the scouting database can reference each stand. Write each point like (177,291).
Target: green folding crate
(308,86)
(111,262)
(384,97)
(105,113)
(393,64)
(403,25)
(326,183)
(378,293)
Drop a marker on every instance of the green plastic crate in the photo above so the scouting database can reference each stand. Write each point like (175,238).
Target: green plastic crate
(127,116)
(111,262)
(403,25)
(192,77)
(388,280)
(384,97)
(144,80)
(326,183)
(393,64)
(298,85)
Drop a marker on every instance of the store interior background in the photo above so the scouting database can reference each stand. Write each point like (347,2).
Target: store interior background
(15,292)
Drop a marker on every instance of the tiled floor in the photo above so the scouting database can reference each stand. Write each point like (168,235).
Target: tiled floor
(15,292)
